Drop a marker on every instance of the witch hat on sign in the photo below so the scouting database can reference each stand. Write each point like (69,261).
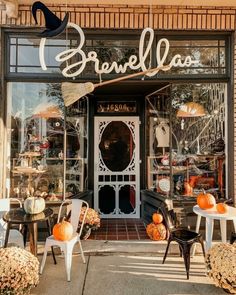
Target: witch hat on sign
(54,26)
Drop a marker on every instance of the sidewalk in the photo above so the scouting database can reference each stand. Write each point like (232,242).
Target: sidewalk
(125,268)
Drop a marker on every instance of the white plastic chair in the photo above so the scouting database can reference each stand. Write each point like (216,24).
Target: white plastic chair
(67,246)
(15,236)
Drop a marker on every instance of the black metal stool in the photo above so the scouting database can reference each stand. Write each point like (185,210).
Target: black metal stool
(184,237)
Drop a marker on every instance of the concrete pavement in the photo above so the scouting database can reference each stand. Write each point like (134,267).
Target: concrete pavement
(125,268)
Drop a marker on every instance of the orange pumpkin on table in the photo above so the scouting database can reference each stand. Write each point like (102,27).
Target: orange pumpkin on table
(63,231)
(157,218)
(206,200)
(222,208)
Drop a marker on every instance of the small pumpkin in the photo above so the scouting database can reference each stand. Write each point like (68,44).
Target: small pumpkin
(206,200)
(222,208)
(34,205)
(156,232)
(63,231)
(157,218)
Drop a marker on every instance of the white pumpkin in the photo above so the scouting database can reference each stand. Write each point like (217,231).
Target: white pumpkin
(34,205)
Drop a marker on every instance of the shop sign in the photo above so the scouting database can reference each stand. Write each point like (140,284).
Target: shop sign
(135,63)
(116,107)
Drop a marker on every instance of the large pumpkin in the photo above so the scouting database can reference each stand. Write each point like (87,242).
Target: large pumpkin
(206,200)
(34,205)
(157,218)
(63,231)
(222,208)
(156,232)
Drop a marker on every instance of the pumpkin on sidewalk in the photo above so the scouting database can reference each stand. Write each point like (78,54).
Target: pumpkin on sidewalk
(156,230)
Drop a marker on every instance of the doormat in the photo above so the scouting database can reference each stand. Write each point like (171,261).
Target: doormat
(120,229)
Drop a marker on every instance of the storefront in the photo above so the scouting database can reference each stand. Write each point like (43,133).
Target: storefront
(170,132)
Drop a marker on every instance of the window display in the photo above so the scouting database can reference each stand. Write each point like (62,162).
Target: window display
(47,147)
(193,157)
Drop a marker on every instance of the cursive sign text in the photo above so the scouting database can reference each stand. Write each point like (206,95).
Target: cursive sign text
(134,63)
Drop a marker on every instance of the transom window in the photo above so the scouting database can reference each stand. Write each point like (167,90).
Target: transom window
(212,53)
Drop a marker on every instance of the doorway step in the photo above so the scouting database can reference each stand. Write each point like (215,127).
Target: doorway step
(120,229)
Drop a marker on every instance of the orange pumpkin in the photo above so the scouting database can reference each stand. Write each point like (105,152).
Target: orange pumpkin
(206,200)
(156,232)
(63,231)
(222,208)
(157,218)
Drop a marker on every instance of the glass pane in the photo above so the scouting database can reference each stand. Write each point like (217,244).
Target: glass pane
(13,55)
(186,139)
(36,143)
(116,146)
(76,146)
(209,53)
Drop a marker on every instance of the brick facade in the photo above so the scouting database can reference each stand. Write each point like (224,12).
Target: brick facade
(135,17)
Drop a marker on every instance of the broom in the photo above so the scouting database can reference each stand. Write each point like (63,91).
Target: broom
(71,92)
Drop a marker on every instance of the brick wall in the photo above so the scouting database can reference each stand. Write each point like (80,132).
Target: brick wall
(129,17)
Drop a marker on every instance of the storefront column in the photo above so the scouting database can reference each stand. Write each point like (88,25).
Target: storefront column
(2,129)
(230,156)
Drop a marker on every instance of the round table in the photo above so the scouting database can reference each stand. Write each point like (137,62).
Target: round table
(30,221)
(211,215)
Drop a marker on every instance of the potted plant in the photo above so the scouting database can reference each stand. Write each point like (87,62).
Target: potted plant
(92,222)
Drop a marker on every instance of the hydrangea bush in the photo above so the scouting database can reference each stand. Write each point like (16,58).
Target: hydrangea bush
(18,271)
(92,218)
(91,222)
(221,266)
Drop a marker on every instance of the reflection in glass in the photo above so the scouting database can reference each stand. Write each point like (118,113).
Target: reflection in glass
(36,144)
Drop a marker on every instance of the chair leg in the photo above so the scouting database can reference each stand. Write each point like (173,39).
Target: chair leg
(49,233)
(202,244)
(53,255)
(68,262)
(180,250)
(186,254)
(232,238)
(82,252)
(44,259)
(167,248)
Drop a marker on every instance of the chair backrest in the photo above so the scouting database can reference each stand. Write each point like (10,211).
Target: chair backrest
(169,218)
(76,208)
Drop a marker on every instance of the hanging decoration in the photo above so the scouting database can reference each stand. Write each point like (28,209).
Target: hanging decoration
(54,26)
(71,92)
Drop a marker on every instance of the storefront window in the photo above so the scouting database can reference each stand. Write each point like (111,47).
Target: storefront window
(24,54)
(186,134)
(210,53)
(45,143)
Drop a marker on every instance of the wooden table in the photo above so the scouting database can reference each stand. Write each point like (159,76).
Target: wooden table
(211,215)
(30,222)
